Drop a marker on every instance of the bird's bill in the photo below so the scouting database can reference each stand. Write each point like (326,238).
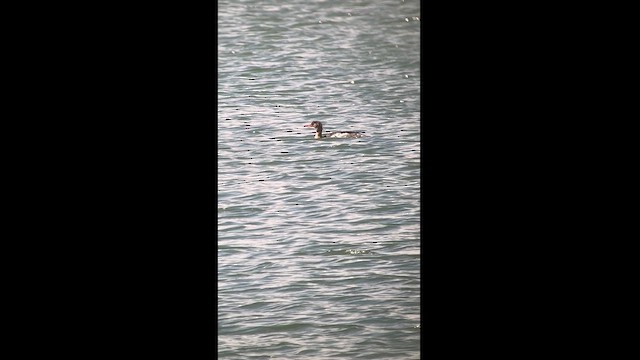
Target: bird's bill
(308,125)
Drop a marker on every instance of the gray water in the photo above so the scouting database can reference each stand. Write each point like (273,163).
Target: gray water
(318,240)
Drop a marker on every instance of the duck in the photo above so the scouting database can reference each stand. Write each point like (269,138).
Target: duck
(338,134)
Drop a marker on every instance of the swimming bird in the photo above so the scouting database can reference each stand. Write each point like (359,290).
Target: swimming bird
(338,134)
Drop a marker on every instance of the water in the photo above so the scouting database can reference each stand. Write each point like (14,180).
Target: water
(318,240)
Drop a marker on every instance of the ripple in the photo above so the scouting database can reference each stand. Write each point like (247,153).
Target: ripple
(318,240)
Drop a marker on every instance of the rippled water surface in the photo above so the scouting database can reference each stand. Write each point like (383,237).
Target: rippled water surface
(318,240)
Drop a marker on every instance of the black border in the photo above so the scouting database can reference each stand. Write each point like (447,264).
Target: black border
(129,96)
